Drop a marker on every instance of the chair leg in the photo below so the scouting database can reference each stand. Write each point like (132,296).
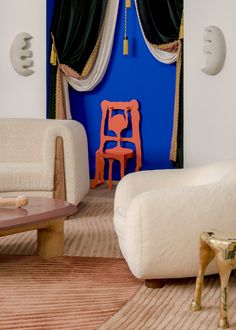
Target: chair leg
(122,167)
(206,255)
(99,168)
(225,269)
(110,161)
(97,171)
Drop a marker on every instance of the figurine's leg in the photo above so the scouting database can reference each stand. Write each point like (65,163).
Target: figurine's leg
(110,160)
(206,255)
(224,267)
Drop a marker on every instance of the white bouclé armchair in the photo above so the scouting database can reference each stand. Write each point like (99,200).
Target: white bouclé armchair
(43,157)
(159,216)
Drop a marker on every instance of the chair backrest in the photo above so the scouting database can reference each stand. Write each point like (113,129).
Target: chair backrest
(119,122)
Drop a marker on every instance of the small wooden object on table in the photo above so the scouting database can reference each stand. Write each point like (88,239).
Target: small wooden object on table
(44,214)
(224,249)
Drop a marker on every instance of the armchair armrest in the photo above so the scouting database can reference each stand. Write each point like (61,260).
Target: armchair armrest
(135,183)
(75,156)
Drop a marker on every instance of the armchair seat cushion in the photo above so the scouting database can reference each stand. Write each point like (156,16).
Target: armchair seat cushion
(25,177)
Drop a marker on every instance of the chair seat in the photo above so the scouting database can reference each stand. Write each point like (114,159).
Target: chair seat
(119,151)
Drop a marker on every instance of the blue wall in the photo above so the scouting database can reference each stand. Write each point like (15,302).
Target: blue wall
(136,76)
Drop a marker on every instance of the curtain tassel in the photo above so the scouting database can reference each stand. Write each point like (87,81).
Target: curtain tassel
(128,3)
(53,57)
(125,46)
(125,40)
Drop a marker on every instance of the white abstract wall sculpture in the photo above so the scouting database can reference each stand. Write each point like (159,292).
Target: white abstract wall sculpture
(20,54)
(215,50)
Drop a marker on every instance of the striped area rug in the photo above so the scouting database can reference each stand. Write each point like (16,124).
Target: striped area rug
(168,308)
(90,233)
(63,292)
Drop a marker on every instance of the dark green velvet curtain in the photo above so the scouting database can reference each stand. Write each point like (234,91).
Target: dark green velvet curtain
(76,26)
(161,20)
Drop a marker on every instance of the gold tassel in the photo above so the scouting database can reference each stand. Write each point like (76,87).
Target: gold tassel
(128,3)
(53,57)
(125,40)
(125,46)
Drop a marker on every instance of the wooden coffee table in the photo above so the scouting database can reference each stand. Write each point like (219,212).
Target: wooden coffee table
(44,214)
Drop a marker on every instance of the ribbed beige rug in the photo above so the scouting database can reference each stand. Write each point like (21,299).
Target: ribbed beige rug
(168,308)
(62,293)
(91,234)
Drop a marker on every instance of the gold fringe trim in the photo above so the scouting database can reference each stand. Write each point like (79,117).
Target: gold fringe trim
(171,47)
(92,58)
(68,71)
(173,150)
(58,88)
(181,30)
(60,98)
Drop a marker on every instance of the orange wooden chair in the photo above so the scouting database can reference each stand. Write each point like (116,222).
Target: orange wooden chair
(117,123)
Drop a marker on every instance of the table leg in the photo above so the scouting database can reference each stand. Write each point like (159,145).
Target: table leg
(50,240)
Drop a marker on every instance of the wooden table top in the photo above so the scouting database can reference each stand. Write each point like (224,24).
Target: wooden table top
(38,209)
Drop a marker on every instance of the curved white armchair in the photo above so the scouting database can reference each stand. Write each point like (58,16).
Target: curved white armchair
(33,163)
(159,216)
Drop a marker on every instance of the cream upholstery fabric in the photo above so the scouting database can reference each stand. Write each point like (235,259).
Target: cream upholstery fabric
(27,156)
(159,216)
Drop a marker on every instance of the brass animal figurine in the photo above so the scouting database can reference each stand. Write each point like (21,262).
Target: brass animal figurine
(224,249)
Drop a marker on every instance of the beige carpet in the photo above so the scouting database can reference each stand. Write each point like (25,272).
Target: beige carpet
(90,233)
(168,308)
(63,292)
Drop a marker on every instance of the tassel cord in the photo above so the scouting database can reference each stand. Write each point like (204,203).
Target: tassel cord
(125,41)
